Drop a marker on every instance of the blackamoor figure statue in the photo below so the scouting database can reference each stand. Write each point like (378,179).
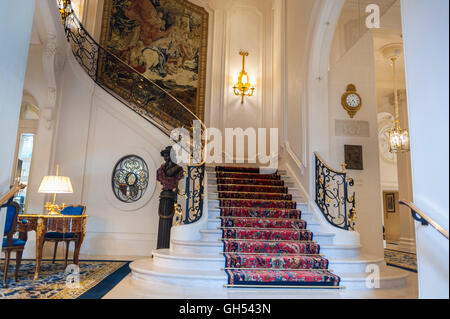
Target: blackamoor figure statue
(169,174)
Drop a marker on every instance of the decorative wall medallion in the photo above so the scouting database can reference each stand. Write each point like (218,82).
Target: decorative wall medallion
(385,123)
(353,157)
(351,101)
(130,178)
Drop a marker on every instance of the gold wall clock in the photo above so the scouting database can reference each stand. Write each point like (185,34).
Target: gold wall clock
(351,101)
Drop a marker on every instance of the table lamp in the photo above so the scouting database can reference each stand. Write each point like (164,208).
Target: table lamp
(55,185)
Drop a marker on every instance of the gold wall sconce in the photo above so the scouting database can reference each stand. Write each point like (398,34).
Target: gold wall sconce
(243,87)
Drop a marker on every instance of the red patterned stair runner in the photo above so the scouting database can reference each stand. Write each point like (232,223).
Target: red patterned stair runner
(266,243)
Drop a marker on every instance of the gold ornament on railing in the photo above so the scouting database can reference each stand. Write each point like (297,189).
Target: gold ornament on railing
(344,167)
(178,214)
(352,218)
(243,87)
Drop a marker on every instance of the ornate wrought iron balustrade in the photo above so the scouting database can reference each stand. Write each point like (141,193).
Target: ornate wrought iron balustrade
(332,195)
(194,195)
(130,87)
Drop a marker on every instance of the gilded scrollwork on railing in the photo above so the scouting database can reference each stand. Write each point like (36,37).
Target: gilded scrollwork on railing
(332,195)
(178,215)
(194,193)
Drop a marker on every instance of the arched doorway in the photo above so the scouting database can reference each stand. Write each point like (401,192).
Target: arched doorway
(25,144)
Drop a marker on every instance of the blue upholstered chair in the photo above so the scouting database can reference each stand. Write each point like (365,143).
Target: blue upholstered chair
(10,243)
(65,237)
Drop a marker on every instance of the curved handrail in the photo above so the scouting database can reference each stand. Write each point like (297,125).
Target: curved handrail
(423,218)
(11,193)
(330,168)
(143,96)
(332,195)
(146,98)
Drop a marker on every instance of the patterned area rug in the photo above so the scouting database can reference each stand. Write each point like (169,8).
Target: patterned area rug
(266,243)
(401,259)
(96,278)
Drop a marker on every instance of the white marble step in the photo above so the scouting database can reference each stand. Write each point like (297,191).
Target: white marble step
(213,223)
(215,196)
(288,181)
(147,271)
(306,215)
(215,234)
(214,203)
(170,259)
(345,251)
(291,190)
(343,265)
(213,182)
(389,278)
(213,169)
(216,247)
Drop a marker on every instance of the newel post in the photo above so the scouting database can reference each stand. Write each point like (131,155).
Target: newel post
(169,174)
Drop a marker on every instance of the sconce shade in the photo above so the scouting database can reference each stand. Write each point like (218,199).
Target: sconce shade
(56,185)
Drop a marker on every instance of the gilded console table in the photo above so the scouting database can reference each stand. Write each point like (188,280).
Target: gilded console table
(42,224)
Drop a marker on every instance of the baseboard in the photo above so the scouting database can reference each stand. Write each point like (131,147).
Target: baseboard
(407,241)
(101,244)
(294,158)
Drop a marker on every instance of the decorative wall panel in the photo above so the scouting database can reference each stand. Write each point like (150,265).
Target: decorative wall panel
(352,128)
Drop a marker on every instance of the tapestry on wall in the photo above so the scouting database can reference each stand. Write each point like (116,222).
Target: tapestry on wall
(164,40)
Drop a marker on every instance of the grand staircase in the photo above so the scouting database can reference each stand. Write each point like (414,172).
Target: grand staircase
(266,243)
(215,261)
(256,229)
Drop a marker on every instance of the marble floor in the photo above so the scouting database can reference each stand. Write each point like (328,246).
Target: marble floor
(129,289)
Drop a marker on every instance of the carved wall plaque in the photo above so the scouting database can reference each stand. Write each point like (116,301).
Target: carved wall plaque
(352,128)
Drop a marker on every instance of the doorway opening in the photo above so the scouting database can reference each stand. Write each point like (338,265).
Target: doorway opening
(26,138)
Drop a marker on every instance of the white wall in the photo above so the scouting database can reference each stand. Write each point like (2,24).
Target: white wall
(357,66)
(298,18)
(300,30)
(15,22)
(425,25)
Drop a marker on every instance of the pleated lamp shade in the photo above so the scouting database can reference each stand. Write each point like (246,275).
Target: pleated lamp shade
(56,185)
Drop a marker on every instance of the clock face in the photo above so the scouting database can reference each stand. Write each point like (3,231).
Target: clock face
(353,100)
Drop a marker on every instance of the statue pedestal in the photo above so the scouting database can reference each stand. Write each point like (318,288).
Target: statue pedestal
(166,212)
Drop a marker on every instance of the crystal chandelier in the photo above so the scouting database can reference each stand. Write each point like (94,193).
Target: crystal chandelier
(398,137)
